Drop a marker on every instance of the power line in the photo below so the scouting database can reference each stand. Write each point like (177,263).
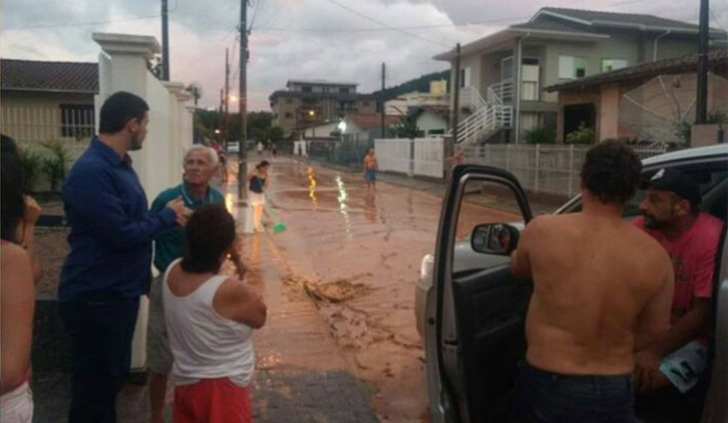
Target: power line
(208,50)
(256,11)
(342,29)
(271,16)
(350,10)
(140,18)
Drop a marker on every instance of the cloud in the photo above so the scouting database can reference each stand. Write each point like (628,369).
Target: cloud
(313,39)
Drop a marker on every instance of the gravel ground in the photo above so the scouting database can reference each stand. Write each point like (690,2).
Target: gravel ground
(51,249)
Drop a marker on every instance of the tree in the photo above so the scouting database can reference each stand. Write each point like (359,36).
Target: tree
(274,134)
(207,121)
(421,84)
(195,90)
(408,128)
(258,125)
(155,66)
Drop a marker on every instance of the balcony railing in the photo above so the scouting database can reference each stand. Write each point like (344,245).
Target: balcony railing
(503,90)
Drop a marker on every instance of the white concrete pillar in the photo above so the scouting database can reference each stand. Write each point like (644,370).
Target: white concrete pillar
(190,131)
(123,67)
(173,149)
(126,70)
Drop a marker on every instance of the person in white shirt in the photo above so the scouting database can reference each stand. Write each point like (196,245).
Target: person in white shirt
(210,319)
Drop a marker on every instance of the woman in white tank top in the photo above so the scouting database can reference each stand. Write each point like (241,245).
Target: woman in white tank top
(210,319)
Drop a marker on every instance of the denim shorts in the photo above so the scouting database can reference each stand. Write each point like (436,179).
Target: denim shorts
(370,175)
(544,397)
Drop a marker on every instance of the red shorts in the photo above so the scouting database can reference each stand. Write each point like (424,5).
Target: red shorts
(213,401)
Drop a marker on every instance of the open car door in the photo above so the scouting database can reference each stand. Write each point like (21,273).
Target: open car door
(479,322)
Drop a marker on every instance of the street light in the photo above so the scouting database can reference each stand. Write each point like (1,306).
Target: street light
(311,113)
(217,132)
(233,99)
(342,128)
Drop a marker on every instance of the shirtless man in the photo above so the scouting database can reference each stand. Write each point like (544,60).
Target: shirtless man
(602,289)
(370,169)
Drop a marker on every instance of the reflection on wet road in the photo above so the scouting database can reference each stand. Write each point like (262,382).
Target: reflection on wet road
(357,253)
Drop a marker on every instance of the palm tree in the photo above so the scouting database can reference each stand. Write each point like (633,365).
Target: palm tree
(195,90)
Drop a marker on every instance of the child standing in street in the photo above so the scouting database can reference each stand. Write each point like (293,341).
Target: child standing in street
(370,169)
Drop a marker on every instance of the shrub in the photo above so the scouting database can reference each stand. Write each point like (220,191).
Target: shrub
(682,130)
(717,117)
(31,163)
(583,135)
(543,135)
(55,164)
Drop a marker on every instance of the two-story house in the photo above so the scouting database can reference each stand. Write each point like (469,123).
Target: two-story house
(307,103)
(502,76)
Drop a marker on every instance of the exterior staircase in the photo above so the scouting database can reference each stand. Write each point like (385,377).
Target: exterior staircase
(487,116)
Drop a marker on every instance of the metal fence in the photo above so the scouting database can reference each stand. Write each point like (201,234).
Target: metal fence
(349,153)
(34,127)
(550,169)
(38,124)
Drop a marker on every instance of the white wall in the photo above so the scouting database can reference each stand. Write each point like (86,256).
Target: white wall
(428,121)
(123,67)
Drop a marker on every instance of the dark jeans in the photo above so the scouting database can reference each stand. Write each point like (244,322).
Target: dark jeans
(545,397)
(101,328)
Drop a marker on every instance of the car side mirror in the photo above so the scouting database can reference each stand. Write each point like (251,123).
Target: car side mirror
(495,238)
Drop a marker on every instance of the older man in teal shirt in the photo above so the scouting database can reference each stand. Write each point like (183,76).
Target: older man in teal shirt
(200,164)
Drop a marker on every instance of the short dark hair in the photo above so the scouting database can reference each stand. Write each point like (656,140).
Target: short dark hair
(12,202)
(210,231)
(611,172)
(119,109)
(261,165)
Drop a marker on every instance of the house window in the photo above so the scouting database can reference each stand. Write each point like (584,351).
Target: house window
(288,115)
(365,104)
(464,77)
(289,101)
(343,90)
(609,65)
(77,120)
(572,67)
(306,89)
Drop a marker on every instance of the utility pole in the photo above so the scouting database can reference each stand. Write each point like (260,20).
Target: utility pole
(165,42)
(450,144)
(227,97)
(220,121)
(456,101)
(243,99)
(701,107)
(381,96)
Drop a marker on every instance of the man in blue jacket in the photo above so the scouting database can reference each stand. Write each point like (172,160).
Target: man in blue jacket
(108,268)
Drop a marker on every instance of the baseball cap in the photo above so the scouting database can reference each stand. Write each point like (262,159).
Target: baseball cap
(676,181)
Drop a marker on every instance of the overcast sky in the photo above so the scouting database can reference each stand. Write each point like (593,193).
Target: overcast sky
(314,39)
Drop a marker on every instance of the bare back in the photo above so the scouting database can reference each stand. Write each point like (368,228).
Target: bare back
(599,284)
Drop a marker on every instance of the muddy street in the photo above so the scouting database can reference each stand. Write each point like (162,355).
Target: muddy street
(340,281)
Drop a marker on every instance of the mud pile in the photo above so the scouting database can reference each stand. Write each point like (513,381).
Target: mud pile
(336,292)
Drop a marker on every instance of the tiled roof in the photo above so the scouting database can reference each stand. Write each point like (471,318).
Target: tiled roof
(371,121)
(29,75)
(633,19)
(554,25)
(717,62)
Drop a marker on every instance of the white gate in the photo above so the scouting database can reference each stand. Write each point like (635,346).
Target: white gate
(393,155)
(429,157)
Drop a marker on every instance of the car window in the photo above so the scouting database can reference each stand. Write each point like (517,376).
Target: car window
(482,203)
(712,178)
